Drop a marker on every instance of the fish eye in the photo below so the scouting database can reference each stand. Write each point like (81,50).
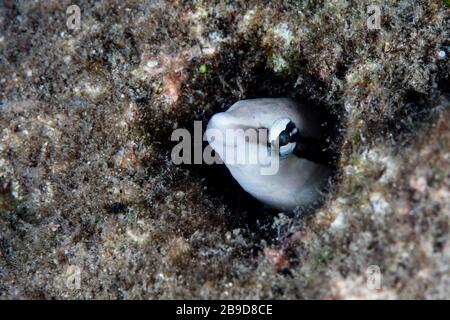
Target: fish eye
(283,130)
(284,138)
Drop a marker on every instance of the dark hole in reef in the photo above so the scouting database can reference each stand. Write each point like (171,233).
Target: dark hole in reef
(244,210)
(242,72)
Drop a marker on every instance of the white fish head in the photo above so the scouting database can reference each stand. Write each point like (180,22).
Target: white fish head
(260,129)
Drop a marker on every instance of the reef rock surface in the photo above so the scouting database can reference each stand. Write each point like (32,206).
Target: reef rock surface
(91,205)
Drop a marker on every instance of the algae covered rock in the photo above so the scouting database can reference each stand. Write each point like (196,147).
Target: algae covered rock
(91,205)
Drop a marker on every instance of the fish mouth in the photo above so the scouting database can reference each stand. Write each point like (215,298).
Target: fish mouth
(221,125)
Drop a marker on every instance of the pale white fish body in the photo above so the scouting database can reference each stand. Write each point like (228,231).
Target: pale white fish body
(298,182)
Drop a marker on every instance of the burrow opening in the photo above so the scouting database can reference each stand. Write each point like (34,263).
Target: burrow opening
(239,72)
